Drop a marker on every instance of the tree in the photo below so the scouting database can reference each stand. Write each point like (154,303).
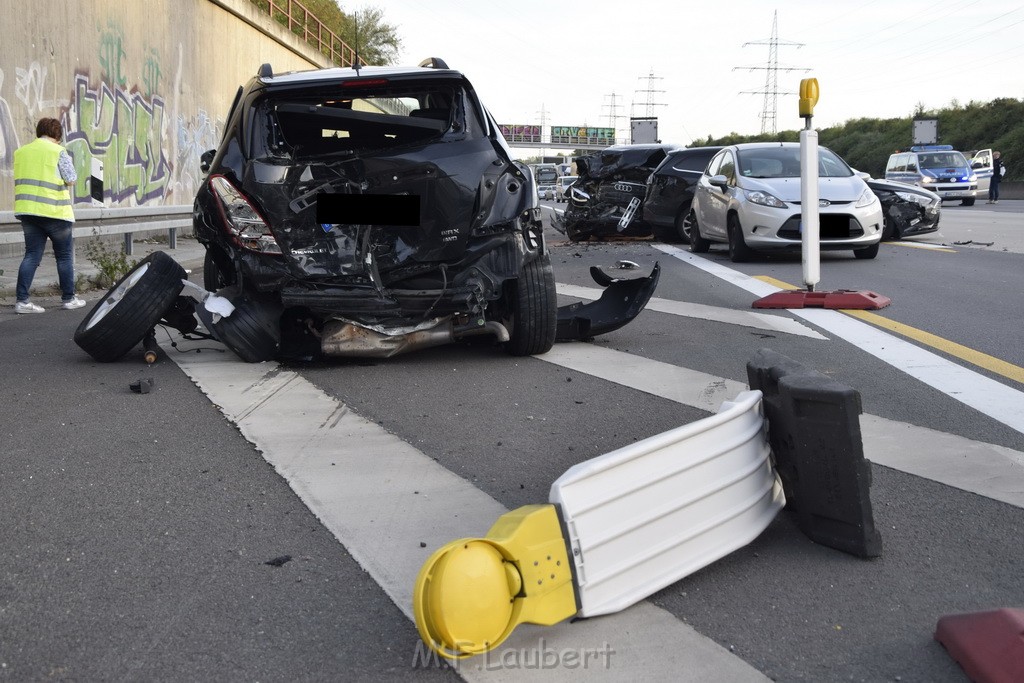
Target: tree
(376,42)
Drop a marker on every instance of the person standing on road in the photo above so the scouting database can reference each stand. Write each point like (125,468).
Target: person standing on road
(42,202)
(997,177)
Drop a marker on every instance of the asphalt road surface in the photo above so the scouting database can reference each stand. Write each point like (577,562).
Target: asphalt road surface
(263,522)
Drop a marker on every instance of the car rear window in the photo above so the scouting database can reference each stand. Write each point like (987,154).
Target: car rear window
(341,123)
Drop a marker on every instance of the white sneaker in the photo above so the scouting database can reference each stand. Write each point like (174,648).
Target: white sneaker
(72,304)
(28,307)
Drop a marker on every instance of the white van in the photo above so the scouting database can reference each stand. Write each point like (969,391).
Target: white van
(562,185)
(938,168)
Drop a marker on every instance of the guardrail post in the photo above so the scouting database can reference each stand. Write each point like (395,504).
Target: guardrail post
(128,244)
(172,238)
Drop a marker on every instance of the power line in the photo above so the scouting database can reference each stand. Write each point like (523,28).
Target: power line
(771,90)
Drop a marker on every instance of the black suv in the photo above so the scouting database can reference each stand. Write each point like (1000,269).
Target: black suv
(670,191)
(362,211)
(375,204)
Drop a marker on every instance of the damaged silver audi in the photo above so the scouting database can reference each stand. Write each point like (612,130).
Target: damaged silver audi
(363,211)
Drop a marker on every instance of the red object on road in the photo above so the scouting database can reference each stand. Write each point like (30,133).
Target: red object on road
(841,298)
(988,646)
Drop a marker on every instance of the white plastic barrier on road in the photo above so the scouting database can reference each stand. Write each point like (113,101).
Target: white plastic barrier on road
(648,514)
(618,528)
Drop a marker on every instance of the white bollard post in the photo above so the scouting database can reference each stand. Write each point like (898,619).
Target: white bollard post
(809,224)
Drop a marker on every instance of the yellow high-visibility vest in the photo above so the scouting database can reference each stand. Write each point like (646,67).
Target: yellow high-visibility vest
(39,189)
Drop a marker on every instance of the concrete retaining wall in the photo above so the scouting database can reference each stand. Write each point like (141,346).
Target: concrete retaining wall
(142,85)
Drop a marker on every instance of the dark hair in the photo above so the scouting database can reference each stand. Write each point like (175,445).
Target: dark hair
(51,128)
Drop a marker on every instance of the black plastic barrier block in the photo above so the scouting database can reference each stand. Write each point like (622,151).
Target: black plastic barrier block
(814,431)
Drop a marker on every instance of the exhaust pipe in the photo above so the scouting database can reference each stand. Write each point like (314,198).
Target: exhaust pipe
(345,338)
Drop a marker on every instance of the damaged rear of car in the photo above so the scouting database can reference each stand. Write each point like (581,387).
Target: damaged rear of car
(606,198)
(360,212)
(376,210)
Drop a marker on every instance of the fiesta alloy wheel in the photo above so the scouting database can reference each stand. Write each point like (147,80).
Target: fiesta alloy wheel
(131,308)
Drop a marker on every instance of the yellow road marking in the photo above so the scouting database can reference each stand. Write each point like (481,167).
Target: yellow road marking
(982,360)
(924,245)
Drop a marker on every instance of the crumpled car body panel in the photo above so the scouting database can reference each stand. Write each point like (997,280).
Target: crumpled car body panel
(904,217)
(612,184)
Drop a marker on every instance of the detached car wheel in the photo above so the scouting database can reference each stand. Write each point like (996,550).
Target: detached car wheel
(131,308)
(252,331)
(698,245)
(532,306)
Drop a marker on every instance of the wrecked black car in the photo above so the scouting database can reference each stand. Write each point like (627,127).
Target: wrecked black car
(670,191)
(605,199)
(908,209)
(362,211)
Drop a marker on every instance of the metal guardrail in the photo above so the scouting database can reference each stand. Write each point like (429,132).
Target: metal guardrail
(115,220)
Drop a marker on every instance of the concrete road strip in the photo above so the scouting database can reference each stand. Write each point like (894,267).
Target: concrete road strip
(382,498)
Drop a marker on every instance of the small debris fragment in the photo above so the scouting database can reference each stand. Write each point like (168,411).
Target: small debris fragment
(422,544)
(142,386)
(279,561)
(627,265)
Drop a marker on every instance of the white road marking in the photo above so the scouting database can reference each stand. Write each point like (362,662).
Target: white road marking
(986,469)
(382,498)
(998,401)
(760,321)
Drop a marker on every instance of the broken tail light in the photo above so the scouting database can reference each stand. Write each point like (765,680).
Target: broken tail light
(242,220)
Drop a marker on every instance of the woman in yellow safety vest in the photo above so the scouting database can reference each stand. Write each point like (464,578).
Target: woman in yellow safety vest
(42,172)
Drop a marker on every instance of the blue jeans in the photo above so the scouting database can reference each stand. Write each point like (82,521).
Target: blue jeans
(37,229)
(993,190)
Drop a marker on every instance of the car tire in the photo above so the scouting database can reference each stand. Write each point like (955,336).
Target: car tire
(252,331)
(889,231)
(739,252)
(698,245)
(680,221)
(867,253)
(131,308)
(967,202)
(214,276)
(532,307)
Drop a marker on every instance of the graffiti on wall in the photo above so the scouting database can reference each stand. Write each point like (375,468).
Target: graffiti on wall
(124,129)
(149,144)
(8,132)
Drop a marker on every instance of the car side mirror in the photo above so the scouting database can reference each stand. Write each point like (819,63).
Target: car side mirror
(205,159)
(719,181)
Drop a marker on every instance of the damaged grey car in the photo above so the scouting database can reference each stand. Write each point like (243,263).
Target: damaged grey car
(363,211)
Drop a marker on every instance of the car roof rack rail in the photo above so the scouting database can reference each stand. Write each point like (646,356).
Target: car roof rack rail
(266,71)
(434,63)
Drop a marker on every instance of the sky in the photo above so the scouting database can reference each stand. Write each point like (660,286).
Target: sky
(702,68)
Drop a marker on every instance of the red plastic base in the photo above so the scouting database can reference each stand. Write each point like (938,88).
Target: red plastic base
(989,646)
(841,298)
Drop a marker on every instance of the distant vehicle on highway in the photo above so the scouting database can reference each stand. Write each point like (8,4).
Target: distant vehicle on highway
(562,187)
(670,191)
(908,209)
(749,198)
(546,192)
(938,168)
